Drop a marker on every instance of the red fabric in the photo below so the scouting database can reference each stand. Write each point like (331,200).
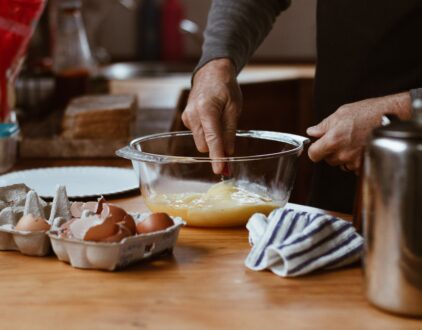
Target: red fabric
(17,23)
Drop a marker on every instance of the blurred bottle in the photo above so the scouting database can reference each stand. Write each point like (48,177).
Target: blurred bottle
(171,36)
(39,54)
(72,59)
(149,30)
(34,85)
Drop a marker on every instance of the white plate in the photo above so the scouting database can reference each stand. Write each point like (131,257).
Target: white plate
(80,181)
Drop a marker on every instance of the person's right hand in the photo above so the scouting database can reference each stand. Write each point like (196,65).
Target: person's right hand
(213,109)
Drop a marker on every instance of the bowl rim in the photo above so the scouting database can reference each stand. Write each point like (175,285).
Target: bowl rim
(134,154)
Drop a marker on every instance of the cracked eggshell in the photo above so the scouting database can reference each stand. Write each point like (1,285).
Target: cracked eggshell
(119,215)
(107,224)
(100,221)
(121,233)
(92,227)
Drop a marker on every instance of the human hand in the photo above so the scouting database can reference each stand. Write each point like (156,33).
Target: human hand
(342,135)
(213,109)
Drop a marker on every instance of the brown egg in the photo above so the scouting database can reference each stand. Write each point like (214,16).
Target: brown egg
(31,223)
(155,222)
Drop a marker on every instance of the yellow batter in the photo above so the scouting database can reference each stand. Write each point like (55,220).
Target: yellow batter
(223,205)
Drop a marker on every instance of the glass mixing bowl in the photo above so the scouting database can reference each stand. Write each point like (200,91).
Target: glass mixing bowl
(175,178)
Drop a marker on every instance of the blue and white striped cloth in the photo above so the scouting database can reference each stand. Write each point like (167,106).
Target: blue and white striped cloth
(293,243)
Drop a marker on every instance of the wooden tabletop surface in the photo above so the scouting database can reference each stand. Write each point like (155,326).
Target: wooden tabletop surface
(203,285)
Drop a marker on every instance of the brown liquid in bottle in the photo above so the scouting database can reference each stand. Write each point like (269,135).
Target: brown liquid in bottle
(70,84)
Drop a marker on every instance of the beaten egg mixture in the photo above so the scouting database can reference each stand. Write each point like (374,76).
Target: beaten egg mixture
(223,205)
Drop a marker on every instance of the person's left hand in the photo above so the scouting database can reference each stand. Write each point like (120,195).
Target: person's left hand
(342,135)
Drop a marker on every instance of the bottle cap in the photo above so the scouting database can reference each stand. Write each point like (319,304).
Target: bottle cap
(8,129)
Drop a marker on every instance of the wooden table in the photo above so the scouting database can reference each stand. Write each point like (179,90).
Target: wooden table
(203,285)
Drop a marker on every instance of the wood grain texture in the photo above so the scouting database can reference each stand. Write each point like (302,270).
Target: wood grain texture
(203,285)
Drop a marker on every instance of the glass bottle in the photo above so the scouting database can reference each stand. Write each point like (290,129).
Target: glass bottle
(72,59)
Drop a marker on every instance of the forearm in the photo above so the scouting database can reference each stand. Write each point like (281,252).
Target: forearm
(399,105)
(236,28)
(342,135)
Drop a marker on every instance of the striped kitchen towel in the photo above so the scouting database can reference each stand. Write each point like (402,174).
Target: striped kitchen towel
(292,243)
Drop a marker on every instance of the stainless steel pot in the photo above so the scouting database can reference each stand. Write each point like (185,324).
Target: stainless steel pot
(392,216)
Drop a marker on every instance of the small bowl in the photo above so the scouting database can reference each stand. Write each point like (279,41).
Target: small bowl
(174,177)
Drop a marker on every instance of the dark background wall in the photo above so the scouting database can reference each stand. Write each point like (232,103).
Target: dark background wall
(293,36)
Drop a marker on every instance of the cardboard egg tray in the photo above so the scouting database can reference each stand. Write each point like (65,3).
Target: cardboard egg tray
(29,243)
(112,256)
(18,200)
(15,201)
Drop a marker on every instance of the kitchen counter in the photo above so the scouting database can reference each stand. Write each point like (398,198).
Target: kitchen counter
(204,284)
(164,91)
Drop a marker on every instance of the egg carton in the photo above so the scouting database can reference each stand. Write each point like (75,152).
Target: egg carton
(19,200)
(29,243)
(113,256)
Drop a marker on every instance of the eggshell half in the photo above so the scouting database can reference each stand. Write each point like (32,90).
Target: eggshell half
(31,223)
(93,228)
(121,233)
(119,215)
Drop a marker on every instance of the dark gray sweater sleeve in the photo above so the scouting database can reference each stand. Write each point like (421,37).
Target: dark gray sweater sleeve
(236,28)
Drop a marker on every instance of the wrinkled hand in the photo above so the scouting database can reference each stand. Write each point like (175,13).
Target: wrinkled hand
(342,136)
(213,109)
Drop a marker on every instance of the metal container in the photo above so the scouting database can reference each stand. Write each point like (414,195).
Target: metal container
(392,216)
